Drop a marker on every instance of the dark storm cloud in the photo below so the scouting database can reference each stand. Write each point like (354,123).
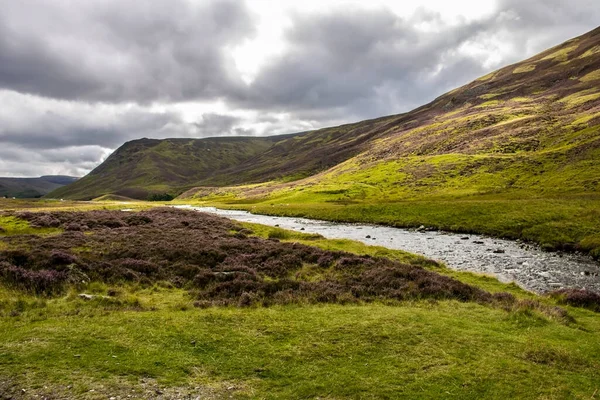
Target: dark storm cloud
(359,62)
(74,161)
(112,59)
(121,50)
(371,63)
(77,125)
(213,124)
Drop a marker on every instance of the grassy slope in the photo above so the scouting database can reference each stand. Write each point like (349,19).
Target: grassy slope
(145,166)
(149,339)
(512,154)
(32,187)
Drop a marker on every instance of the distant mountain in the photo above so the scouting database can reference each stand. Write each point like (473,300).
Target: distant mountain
(146,167)
(534,124)
(33,187)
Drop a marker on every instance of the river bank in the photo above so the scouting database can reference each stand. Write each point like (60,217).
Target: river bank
(527,265)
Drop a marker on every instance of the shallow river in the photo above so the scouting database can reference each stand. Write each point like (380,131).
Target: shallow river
(527,265)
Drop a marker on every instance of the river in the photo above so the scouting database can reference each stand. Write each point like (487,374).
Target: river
(510,261)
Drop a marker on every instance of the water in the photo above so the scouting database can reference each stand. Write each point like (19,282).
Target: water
(510,261)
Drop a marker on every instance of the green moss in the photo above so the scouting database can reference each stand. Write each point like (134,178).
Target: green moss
(491,103)
(582,97)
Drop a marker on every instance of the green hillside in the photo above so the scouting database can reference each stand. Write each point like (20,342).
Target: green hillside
(27,188)
(514,153)
(144,167)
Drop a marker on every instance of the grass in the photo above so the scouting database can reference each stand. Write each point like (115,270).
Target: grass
(153,339)
(566,222)
(15,226)
(414,350)
(524,68)
(42,205)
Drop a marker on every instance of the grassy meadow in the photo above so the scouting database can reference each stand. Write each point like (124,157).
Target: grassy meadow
(156,324)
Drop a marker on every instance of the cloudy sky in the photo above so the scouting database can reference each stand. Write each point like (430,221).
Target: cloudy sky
(80,78)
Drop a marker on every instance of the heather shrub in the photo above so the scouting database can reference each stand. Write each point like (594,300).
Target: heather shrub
(199,252)
(43,282)
(578,298)
(58,257)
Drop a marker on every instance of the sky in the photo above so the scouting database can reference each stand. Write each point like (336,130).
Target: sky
(80,78)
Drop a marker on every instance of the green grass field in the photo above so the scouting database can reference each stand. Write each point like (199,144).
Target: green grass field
(152,341)
(413,350)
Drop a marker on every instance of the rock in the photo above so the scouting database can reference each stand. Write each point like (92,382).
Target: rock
(368,236)
(464,238)
(477,242)
(301,229)
(499,251)
(585,273)
(276,225)
(421,228)
(77,355)
(86,296)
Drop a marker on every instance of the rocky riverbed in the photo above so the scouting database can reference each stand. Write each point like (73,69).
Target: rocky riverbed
(525,264)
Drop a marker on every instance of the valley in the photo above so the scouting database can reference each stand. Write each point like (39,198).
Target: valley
(112,286)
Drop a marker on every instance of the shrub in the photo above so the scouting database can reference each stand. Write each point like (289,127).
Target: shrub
(198,252)
(160,197)
(44,282)
(578,298)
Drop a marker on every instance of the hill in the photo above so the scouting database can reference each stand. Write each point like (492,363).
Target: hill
(531,124)
(32,187)
(518,114)
(512,154)
(144,167)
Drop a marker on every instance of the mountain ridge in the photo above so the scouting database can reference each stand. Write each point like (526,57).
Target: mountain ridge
(518,113)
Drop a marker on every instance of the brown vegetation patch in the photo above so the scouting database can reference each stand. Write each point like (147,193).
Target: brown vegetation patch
(213,258)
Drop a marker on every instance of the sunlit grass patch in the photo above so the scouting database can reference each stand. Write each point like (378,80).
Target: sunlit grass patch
(592,76)
(12,225)
(582,97)
(524,68)
(561,55)
(590,52)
